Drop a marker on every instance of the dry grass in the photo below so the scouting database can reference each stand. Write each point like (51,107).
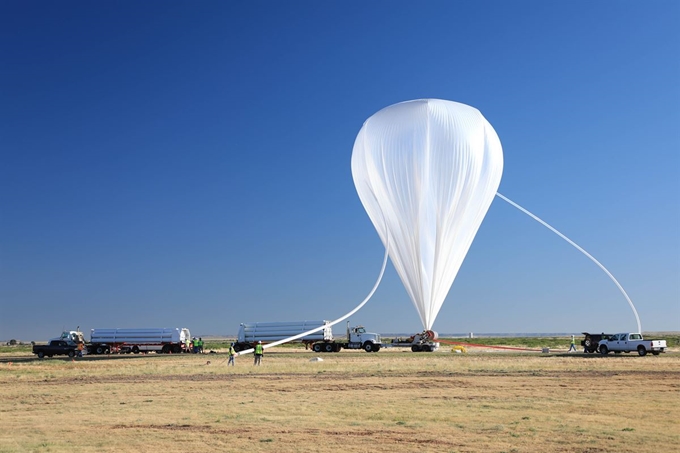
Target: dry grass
(356,402)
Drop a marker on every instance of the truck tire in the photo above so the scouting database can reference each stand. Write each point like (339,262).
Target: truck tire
(135,350)
(368,347)
(316,347)
(41,355)
(415,348)
(604,350)
(656,352)
(99,350)
(642,351)
(427,348)
(72,354)
(328,347)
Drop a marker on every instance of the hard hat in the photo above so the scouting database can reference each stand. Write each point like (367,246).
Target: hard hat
(260,342)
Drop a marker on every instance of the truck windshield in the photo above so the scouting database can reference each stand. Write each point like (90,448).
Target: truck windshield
(361,330)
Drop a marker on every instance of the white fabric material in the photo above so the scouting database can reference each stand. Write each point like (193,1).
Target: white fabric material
(431,168)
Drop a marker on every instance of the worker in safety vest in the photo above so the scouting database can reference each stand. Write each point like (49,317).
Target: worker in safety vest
(259,351)
(200,345)
(232,355)
(573,344)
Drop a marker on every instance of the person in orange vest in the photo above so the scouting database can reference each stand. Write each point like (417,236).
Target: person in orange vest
(259,351)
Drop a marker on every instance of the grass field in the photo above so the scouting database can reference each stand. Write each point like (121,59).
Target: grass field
(390,401)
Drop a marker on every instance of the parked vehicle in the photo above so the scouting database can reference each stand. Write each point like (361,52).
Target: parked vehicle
(161,340)
(591,342)
(420,342)
(267,332)
(56,347)
(627,342)
(321,341)
(357,338)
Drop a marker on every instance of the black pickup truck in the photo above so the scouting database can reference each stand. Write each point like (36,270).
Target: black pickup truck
(591,342)
(55,347)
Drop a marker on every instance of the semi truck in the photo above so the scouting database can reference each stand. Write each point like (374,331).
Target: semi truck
(163,340)
(322,341)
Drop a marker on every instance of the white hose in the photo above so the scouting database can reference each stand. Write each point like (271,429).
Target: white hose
(630,302)
(332,323)
(342,318)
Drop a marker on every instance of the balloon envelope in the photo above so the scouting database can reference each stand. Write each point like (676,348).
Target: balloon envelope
(426,172)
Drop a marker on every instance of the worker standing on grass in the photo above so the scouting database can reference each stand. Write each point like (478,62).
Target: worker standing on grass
(259,350)
(573,345)
(232,355)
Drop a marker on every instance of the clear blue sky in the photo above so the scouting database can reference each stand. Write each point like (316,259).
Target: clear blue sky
(188,163)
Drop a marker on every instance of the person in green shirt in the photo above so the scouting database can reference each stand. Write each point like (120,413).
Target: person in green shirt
(232,355)
(259,351)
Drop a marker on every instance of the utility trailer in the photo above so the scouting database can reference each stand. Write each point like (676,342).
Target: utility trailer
(420,342)
(164,340)
(322,341)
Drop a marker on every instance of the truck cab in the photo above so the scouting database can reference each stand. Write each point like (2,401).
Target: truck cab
(358,338)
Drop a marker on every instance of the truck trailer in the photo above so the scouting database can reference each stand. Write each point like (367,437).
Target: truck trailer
(163,340)
(322,341)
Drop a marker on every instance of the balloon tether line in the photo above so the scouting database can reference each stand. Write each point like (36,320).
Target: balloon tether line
(342,318)
(545,224)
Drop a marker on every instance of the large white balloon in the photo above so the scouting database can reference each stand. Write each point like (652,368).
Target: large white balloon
(426,172)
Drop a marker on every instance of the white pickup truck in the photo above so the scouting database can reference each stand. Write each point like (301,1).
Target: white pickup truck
(627,342)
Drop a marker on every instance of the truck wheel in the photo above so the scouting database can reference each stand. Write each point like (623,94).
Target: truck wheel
(135,350)
(415,348)
(642,351)
(41,355)
(426,348)
(604,350)
(329,347)
(99,350)
(72,354)
(368,347)
(376,348)
(316,347)
(656,352)
(587,343)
